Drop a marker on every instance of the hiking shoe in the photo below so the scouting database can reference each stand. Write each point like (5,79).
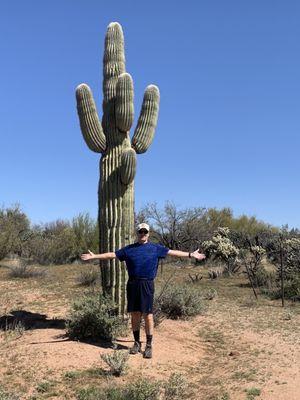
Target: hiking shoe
(136,348)
(148,351)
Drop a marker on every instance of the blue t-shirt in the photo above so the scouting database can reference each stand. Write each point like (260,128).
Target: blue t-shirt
(142,259)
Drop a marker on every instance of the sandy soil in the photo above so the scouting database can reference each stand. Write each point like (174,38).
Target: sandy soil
(218,349)
(235,346)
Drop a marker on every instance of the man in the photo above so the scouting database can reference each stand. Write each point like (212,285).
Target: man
(142,260)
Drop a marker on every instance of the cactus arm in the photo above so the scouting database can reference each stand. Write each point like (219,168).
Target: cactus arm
(89,122)
(144,132)
(128,166)
(124,103)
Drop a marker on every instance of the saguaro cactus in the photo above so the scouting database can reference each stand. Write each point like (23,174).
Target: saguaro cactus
(118,162)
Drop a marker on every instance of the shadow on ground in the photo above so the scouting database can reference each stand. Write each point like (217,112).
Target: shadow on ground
(30,320)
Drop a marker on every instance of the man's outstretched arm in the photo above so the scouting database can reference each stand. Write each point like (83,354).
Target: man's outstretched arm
(195,254)
(91,256)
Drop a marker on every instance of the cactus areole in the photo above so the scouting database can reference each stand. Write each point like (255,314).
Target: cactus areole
(118,161)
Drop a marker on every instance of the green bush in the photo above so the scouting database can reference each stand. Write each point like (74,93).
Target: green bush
(94,317)
(180,302)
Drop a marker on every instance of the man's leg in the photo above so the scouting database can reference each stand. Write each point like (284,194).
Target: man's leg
(135,324)
(136,321)
(149,326)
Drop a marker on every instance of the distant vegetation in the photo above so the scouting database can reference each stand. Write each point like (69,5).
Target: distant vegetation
(268,255)
(57,242)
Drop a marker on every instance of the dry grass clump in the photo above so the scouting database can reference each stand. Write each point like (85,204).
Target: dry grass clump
(117,362)
(23,271)
(87,277)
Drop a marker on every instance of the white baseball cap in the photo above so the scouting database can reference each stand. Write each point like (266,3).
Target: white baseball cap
(143,225)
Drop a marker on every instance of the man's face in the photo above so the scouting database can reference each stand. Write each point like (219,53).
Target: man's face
(143,235)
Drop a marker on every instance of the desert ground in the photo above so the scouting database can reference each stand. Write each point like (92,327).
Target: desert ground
(239,349)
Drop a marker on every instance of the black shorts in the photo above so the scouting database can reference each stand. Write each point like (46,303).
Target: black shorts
(140,295)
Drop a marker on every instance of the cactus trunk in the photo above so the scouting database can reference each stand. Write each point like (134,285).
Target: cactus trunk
(118,162)
(116,219)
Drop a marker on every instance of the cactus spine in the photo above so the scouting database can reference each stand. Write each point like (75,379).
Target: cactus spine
(118,162)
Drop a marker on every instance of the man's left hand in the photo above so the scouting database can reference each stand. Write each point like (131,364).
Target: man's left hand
(197,255)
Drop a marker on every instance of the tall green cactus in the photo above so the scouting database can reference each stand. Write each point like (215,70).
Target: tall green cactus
(118,162)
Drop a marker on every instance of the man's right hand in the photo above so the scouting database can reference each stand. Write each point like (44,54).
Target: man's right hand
(87,256)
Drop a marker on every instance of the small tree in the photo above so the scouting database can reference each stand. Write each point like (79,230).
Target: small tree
(14,231)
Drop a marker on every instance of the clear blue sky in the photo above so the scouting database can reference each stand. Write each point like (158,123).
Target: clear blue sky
(229,124)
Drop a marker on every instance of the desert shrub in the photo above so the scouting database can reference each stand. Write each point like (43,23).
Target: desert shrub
(22,270)
(8,396)
(264,278)
(94,317)
(179,302)
(86,232)
(252,393)
(54,243)
(176,387)
(291,289)
(117,362)
(14,231)
(143,389)
(92,393)
(210,294)
(87,277)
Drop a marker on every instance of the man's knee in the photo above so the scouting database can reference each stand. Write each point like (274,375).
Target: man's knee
(148,316)
(136,314)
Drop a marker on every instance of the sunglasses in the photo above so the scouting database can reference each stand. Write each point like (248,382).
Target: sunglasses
(143,231)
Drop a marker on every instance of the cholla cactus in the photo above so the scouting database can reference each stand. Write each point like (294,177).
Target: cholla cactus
(221,247)
(118,162)
(292,251)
